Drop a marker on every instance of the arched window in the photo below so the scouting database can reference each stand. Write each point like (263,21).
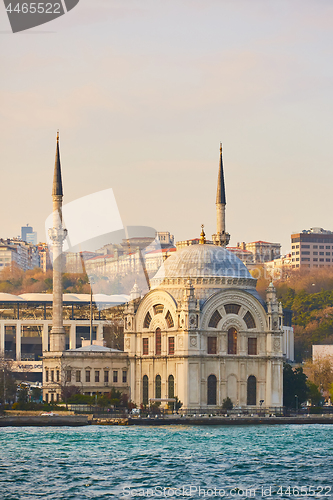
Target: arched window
(211,390)
(147,320)
(171,387)
(249,320)
(232,341)
(158,308)
(169,319)
(145,390)
(252,390)
(214,320)
(158,342)
(158,386)
(232,308)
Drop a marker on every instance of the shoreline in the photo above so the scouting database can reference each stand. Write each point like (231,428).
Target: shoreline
(84,420)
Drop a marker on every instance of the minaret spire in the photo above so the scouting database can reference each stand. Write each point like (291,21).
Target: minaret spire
(220,195)
(57,180)
(57,235)
(221,238)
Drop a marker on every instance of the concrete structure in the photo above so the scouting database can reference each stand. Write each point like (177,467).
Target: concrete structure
(203,333)
(312,248)
(26,321)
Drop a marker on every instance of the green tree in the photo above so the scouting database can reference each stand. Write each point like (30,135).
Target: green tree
(295,388)
(23,395)
(227,404)
(36,394)
(314,394)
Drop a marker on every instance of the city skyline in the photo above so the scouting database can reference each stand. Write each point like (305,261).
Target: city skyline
(143,105)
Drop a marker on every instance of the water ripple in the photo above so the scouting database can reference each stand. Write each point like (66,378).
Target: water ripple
(98,462)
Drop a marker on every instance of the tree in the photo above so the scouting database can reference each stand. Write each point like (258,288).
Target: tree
(227,404)
(68,391)
(23,395)
(331,392)
(315,395)
(36,394)
(320,372)
(8,386)
(295,389)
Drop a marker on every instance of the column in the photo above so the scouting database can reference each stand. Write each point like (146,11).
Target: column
(99,333)
(72,336)
(45,336)
(18,340)
(2,339)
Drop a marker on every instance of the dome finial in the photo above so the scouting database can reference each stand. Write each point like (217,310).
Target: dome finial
(58,135)
(202,240)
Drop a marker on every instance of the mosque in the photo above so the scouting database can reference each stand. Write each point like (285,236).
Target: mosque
(201,334)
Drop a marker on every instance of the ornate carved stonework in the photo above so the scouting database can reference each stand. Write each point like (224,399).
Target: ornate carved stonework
(127,343)
(57,235)
(180,342)
(276,344)
(246,282)
(233,322)
(243,299)
(193,341)
(193,321)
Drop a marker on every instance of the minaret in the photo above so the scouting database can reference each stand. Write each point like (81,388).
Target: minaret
(221,238)
(57,234)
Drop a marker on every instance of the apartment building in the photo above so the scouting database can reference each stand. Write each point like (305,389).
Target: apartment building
(312,248)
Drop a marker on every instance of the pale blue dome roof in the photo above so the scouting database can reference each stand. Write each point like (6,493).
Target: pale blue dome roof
(203,261)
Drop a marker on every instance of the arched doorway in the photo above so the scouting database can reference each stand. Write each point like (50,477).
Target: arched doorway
(251,391)
(158,386)
(145,390)
(211,390)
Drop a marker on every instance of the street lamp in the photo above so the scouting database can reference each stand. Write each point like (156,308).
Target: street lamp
(261,403)
(296,403)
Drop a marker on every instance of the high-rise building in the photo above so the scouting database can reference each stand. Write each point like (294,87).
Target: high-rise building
(312,248)
(25,230)
(31,238)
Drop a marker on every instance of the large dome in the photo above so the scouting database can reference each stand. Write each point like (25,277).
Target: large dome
(203,264)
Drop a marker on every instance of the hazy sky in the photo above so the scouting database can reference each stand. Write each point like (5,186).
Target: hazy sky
(143,91)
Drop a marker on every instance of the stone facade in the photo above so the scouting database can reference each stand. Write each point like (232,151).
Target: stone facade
(92,369)
(204,334)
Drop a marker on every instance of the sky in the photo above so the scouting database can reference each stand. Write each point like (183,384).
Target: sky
(143,91)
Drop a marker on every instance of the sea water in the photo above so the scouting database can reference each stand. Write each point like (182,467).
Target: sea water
(102,462)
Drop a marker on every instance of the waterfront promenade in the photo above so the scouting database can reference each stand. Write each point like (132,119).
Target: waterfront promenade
(82,420)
